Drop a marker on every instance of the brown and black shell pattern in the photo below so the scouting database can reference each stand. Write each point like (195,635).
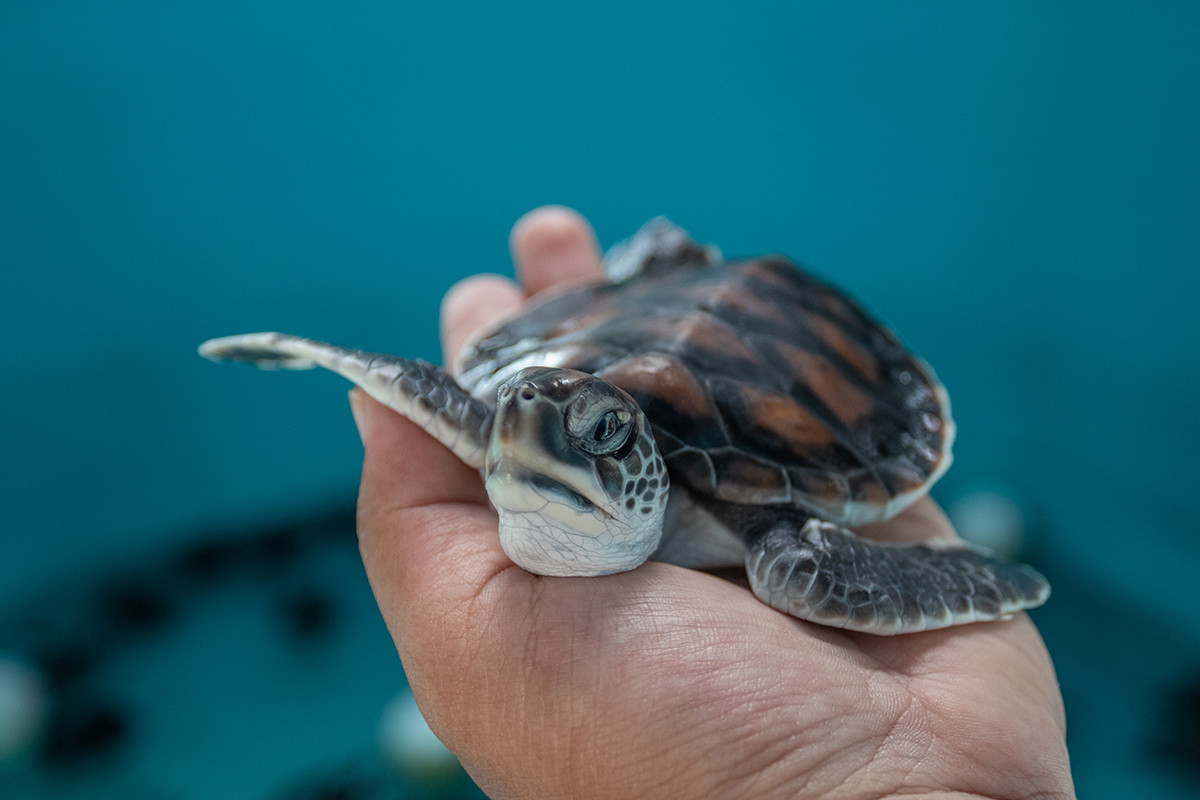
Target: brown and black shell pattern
(764,385)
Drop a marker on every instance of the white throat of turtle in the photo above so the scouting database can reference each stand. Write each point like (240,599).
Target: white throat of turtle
(565,510)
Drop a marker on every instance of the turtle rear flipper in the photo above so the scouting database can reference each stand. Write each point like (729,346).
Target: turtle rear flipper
(659,241)
(821,572)
(422,392)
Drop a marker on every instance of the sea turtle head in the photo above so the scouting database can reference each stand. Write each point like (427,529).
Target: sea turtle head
(573,470)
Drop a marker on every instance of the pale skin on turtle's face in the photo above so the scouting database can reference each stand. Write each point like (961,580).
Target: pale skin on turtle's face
(666,682)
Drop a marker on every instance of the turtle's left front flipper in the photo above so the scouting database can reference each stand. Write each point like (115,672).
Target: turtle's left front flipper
(821,572)
(422,392)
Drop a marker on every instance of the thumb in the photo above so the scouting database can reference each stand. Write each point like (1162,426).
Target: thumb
(427,534)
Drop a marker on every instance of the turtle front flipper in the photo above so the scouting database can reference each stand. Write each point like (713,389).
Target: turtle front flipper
(422,392)
(821,572)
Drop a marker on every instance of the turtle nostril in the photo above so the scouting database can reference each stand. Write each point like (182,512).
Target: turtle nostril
(527,393)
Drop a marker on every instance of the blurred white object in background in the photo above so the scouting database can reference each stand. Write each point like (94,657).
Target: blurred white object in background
(23,707)
(991,519)
(409,745)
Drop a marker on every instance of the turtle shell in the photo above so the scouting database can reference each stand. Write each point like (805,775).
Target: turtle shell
(765,386)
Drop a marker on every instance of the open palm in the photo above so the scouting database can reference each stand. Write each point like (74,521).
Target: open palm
(665,682)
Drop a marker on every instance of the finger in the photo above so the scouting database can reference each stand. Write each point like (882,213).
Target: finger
(554,246)
(923,521)
(472,306)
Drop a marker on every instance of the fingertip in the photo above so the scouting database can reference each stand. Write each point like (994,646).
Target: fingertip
(473,304)
(545,223)
(554,246)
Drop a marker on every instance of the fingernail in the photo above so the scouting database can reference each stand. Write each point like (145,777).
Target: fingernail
(359,412)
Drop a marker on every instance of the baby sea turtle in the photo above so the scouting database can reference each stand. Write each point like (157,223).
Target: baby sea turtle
(705,413)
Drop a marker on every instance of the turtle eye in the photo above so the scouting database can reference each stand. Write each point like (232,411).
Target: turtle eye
(608,433)
(605,428)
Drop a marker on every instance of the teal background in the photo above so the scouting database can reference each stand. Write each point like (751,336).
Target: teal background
(1015,187)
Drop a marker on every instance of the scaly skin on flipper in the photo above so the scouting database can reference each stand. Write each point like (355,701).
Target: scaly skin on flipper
(820,572)
(421,391)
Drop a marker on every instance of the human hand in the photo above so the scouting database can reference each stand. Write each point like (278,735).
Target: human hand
(666,682)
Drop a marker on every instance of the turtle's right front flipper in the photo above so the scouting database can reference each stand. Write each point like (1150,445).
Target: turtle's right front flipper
(422,392)
(818,571)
